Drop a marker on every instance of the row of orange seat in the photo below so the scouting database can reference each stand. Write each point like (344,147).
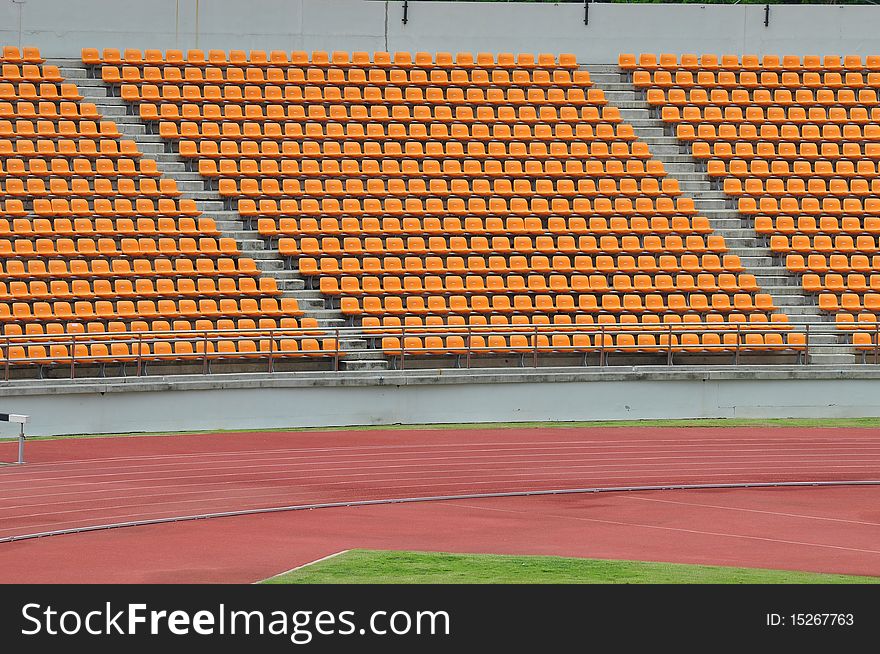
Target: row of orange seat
(99,267)
(822,168)
(63,187)
(14,55)
(824,243)
(563,244)
(438,149)
(141,207)
(322,58)
(104,330)
(840,262)
(810,206)
(608,264)
(783,224)
(141,288)
(59,226)
(538,283)
(712,62)
(836,282)
(754,80)
(512,225)
(480,345)
(332,95)
(80,310)
(796,115)
(286,169)
(845,153)
(668,323)
(29,73)
(214,110)
(466,303)
(761,97)
(44,91)
(184,348)
(601,206)
(634,187)
(801,186)
(454,161)
(47,128)
(78,166)
(845,136)
(70,147)
(49,110)
(63,246)
(345,76)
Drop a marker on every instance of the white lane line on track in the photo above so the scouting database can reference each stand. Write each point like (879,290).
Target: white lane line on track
(467,453)
(677,529)
(251,490)
(465,459)
(805,440)
(286,508)
(304,565)
(352,476)
(761,511)
(384,490)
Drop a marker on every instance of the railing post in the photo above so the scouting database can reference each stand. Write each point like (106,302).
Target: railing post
(876,340)
(6,361)
(205,356)
(336,351)
(669,346)
(535,349)
(602,346)
(271,351)
(738,341)
(468,354)
(140,358)
(403,347)
(807,345)
(73,356)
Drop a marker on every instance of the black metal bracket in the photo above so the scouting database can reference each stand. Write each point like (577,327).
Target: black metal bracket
(405,11)
(766,15)
(586,12)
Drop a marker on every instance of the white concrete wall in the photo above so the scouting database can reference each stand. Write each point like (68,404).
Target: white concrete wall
(61,28)
(323,406)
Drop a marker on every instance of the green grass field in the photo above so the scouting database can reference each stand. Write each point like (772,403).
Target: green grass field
(372,567)
(850,423)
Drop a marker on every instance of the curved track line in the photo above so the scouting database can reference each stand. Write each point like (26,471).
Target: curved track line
(433,498)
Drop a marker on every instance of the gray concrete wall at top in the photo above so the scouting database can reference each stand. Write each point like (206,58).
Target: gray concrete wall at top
(275,407)
(61,28)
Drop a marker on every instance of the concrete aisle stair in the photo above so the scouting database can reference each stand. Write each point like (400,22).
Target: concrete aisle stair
(710,201)
(192,185)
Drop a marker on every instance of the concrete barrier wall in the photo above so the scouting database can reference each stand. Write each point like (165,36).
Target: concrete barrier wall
(121,411)
(61,28)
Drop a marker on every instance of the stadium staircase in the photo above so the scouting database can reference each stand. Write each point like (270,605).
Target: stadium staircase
(710,201)
(192,185)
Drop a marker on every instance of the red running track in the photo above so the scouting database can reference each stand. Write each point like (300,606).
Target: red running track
(821,529)
(70,484)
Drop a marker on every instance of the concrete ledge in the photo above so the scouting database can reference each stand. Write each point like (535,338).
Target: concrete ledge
(431,377)
(284,400)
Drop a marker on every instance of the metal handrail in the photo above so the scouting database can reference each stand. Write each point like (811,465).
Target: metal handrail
(81,349)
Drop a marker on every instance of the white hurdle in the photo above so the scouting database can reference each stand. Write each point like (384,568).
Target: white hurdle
(21,420)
